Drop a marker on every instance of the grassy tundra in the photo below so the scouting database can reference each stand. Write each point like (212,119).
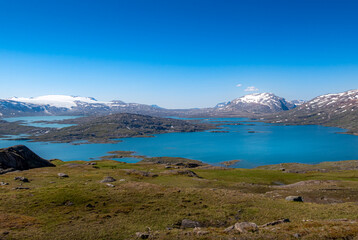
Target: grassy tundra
(154,199)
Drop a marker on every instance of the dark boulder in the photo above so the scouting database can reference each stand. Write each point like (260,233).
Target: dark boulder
(108,179)
(22,179)
(294,198)
(62,175)
(20,157)
(187,223)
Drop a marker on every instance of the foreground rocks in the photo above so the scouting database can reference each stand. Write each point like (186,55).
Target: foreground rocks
(108,180)
(62,175)
(20,157)
(22,179)
(294,198)
(242,227)
(187,223)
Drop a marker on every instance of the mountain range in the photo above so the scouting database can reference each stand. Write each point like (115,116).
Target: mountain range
(338,110)
(257,103)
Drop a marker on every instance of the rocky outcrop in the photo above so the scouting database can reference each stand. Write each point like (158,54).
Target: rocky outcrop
(20,157)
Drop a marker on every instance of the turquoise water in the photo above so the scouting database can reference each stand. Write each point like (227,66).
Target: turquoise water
(270,144)
(31,121)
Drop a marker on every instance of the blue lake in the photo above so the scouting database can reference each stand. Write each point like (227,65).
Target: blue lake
(270,144)
(32,121)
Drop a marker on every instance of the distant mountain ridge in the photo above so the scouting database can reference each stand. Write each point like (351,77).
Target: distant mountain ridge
(337,109)
(252,104)
(258,103)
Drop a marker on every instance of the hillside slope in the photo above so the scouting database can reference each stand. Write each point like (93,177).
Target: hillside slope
(107,128)
(256,103)
(337,110)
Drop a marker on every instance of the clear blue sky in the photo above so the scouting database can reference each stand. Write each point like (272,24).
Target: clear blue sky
(178,54)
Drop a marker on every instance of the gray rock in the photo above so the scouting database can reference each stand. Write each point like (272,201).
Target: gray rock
(142,235)
(22,179)
(4,183)
(285,220)
(245,227)
(68,203)
(21,188)
(122,180)
(62,175)
(294,198)
(187,223)
(20,157)
(198,231)
(296,235)
(110,185)
(188,173)
(91,163)
(108,180)
(229,229)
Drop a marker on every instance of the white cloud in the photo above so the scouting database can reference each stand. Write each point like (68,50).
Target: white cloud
(251,89)
(239,85)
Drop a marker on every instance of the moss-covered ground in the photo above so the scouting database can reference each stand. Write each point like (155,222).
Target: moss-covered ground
(81,207)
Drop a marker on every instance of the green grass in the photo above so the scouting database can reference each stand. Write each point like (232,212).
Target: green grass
(55,208)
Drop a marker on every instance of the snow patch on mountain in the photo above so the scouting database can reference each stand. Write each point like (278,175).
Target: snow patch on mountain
(59,101)
(259,98)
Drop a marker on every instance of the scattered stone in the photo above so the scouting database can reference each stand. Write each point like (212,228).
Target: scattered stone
(141,173)
(4,183)
(188,173)
(294,198)
(142,235)
(229,229)
(122,180)
(91,163)
(89,206)
(187,223)
(245,227)
(22,179)
(110,185)
(296,235)
(62,175)
(68,203)
(168,167)
(198,231)
(285,220)
(108,179)
(21,188)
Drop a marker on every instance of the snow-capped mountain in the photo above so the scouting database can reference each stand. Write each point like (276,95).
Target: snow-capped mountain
(338,109)
(69,105)
(257,103)
(253,104)
(329,104)
(222,104)
(298,102)
(59,101)
(14,108)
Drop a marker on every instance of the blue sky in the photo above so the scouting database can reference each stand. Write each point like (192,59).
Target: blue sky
(178,54)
